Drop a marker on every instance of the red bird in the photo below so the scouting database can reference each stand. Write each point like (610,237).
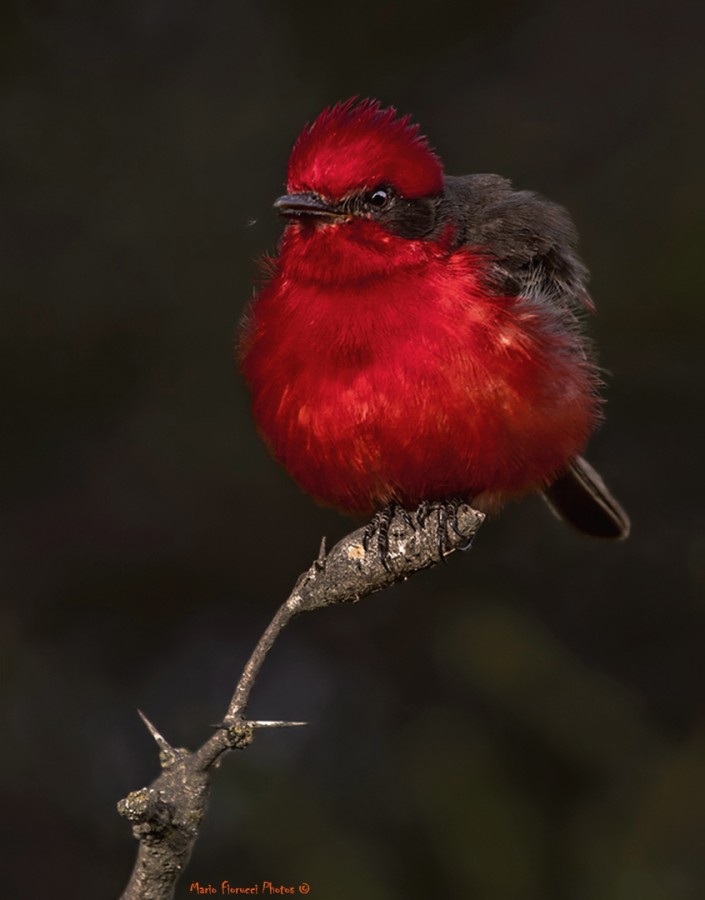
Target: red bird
(419,336)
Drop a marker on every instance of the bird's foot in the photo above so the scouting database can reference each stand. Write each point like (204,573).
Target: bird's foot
(447,510)
(378,528)
(447,521)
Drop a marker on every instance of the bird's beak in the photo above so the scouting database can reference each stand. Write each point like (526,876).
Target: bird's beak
(307,205)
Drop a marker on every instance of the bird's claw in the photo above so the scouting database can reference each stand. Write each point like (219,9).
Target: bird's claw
(448,518)
(379,527)
(447,521)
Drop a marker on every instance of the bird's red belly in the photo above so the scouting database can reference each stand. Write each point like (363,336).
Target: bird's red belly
(451,394)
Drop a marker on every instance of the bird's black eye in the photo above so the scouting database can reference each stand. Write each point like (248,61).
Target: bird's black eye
(379,198)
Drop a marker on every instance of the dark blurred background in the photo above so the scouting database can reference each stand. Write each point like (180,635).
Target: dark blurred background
(527,722)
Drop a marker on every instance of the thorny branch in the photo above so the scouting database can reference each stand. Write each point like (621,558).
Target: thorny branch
(167,815)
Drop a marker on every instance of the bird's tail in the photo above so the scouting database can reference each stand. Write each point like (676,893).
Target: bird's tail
(581,498)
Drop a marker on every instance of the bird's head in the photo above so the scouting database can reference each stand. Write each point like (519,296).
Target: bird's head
(360,178)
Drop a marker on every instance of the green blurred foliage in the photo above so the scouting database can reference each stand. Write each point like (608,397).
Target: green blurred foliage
(527,722)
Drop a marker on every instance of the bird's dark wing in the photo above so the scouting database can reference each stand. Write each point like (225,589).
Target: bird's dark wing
(529,241)
(530,247)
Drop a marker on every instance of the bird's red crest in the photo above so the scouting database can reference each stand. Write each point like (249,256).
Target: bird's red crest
(356,145)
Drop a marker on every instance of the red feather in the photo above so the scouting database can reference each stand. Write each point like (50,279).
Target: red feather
(354,145)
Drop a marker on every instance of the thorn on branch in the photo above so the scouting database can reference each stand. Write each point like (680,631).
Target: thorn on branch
(320,563)
(168,755)
(276,724)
